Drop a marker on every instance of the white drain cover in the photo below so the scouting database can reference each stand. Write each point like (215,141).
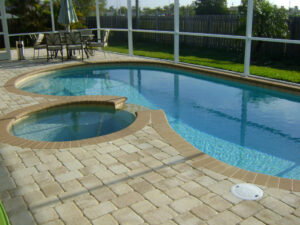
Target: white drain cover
(247,191)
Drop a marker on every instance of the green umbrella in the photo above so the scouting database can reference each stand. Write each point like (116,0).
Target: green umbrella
(67,14)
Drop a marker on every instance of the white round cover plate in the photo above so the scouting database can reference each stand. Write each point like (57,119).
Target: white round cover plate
(247,191)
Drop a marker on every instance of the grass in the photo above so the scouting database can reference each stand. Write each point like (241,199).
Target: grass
(213,58)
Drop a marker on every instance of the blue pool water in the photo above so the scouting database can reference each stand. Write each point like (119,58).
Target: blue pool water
(72,122)
(245,126)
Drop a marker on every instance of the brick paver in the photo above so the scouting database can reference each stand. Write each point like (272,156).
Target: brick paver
(137,179)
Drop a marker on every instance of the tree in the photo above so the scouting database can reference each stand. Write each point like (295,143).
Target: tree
(148,11)
(123,11)
(84,8)
(33,14)
(169,9)
(159,11)
(269,21)
(20,7)
(294,11)
(87,7)
(211,7)
(188,10)
(102,5)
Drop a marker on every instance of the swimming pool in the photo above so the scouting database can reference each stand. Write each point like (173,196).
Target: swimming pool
(71,122)
(249,127)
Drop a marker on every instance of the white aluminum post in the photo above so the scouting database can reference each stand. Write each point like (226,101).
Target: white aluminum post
(4,28)
(137,14)
(129,21)
(247,59)
(98,21)
(176,31)
(52,15)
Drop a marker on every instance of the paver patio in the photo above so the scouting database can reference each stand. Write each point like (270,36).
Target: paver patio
(138,179)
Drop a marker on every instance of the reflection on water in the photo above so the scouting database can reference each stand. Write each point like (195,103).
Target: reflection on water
(249,127)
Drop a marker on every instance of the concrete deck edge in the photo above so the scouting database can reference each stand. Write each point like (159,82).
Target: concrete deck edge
(159,120)
(161,125)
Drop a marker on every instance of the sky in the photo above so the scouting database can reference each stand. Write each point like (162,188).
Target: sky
(155,3)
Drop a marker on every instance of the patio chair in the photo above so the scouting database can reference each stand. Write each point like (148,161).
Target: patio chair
(39,44)
(62,34)
(87,34)
(54,44)
(91,45)
(74,42)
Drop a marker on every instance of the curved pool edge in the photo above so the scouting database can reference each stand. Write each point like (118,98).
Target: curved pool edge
(6,121)
(11,85)
(163,127)
(202,160)
(155,118)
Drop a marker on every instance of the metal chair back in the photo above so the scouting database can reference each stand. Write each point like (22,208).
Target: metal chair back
(73,38)
(86,32)
(53,39)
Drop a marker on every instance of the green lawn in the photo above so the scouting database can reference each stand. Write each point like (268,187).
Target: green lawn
(212,58)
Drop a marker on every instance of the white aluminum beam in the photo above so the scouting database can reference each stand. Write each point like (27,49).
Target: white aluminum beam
(5,30)
(48,32)
(52,15)
(129,22)
(213,35)
(247,57)
(176,31)
(98,20)
(152,31)
(287,41)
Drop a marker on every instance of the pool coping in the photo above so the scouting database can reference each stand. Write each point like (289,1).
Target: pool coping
(11,85)
(163,128)
(117,102)
(158,120)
